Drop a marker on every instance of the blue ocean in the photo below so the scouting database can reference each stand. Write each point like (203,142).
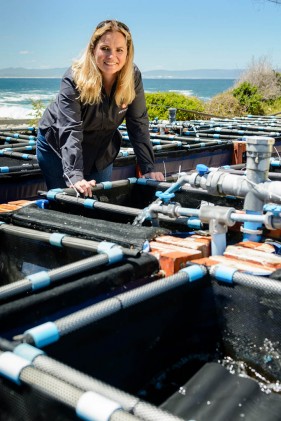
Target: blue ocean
(16,95)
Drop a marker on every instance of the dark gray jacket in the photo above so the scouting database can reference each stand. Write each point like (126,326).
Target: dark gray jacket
(86,137)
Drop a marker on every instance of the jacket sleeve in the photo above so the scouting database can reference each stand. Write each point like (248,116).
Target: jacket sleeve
(70,130)
(138,127)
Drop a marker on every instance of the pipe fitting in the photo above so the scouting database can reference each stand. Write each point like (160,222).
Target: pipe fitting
(221,214)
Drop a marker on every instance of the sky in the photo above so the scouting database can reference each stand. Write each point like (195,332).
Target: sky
(167,34)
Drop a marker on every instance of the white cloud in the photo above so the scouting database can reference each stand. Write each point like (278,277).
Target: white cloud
(24,52)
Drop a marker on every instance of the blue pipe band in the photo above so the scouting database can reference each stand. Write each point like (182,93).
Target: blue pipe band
(194,272)
(132,180)
(158,147)
(51,194)
(113,251)
(216,136)
(8,139)
(156,142)
(28,352)
(31,142)
(16,135)
(202,145)
(56,239)
(89,203)
(194,222)
(28,148)
(124,153)
(146,246)
(226,167)
(42,203)
(125,137)
(39,280)
(275,163)
(253,227)
(3,151)
(107,185)
(44,334)
(25,156)
(141,181)
(11,366)
(225,273)
(94,407)
(31,137)
(4,169)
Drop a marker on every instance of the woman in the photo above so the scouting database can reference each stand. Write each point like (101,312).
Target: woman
(78,137)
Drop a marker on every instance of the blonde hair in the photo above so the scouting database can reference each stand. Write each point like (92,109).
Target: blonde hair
(88,77)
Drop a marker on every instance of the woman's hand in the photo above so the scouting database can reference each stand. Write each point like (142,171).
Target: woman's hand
(85,187)
(155,175)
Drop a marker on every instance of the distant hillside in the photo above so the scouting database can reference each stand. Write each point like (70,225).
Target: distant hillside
(23,72)
(150,74)
(193,74)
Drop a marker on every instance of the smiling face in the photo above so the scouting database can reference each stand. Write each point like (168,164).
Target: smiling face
(110,53)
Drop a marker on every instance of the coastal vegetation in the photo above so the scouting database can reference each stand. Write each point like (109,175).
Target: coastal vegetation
(257,92)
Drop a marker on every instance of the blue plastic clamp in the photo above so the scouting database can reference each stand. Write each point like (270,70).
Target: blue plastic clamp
(194,272)
(224,273)
(107,185)
(42,203)
(44,334)
(89,203)
(28,352)
(51,194)
(4,169)
(39,280)
(194,222)
(56,239)
(112,250)
(132,180)
(142,181)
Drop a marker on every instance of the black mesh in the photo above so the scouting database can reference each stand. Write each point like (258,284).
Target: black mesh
(153,349)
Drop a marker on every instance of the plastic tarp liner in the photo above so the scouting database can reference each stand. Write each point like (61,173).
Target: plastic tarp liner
(213,393)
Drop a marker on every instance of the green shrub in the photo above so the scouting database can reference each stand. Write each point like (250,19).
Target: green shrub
(249,97)
(272,107)
(224,105)
(158,104)
(38,109)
